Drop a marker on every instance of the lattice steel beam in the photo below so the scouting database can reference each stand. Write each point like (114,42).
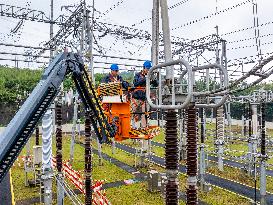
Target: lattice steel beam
(28,14)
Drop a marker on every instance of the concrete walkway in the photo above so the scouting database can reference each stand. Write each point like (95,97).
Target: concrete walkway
(5,191)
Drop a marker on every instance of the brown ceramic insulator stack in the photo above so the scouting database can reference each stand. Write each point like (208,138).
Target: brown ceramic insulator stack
(191,154)
(171,158)
(88,165)
(263,129)
(59,156)
(37,135)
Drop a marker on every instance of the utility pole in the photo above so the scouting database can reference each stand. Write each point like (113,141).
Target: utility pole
(51,28)
(90,40)
(166,39)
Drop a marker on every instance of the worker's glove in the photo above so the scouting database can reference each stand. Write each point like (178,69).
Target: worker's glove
(125,85)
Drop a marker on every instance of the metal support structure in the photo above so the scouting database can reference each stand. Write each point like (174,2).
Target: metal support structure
(83,28)
(51,27)
(263,157)
(250,157)
(253,140)
(202,162)
(155,32)
(228,113)
(51,47)
(243,125)
(89,34)
(220,128)
(142,153)
(74,127)
(191,156)
(171,158)
(27,163)
(243,131)
(166,38)
(182,135)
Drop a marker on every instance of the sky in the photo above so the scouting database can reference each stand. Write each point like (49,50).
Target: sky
(132,12)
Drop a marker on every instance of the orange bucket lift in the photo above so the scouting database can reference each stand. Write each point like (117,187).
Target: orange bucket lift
(117,108)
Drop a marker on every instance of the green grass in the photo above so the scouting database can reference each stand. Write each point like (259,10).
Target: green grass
(216,196)
(108,172)
(135,194)
(240,176)
(138,192)
(160,138)
(158,151)
(219,195)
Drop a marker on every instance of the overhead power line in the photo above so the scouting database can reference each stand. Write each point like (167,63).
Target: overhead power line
(111,8)
(170,8)
(247,39)
(247,28)
(22,46)
(212,15)
(95,55)
(249,46)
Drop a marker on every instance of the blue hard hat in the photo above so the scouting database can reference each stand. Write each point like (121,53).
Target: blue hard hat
(114,67)
(147,64)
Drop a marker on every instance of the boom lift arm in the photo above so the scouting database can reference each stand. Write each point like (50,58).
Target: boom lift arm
(20,128)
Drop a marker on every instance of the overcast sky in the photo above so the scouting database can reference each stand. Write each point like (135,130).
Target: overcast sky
(133,11)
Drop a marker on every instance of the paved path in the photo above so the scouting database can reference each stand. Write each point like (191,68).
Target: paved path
(5,191)
(237,188)
(228,162)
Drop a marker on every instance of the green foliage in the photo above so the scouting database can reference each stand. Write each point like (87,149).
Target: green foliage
(237,110)
(201,84)
(99,77)
(128,76)
(68,83)
(15,84)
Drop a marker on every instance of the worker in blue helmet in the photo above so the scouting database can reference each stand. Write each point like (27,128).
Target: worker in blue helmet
(139,95)
(140,81)
(113,76)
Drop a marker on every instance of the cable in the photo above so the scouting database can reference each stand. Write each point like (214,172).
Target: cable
(246,58)
(212,15)
(249,73)
(111,8)
(247,39)
(169,8)
(245,29)
(241,47)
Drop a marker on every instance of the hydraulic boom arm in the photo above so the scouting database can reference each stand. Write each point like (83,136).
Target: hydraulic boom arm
(18,131)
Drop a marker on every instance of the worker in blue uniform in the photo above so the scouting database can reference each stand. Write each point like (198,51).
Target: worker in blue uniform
(139,95)
(113,76)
